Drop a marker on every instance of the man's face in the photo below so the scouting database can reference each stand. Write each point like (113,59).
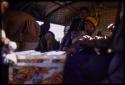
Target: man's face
(4,6)
(89,28)
(83,14)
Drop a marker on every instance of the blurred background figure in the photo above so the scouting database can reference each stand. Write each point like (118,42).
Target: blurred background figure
(47,41)
(20,27)
(116,66)
(80,67)
(76,26)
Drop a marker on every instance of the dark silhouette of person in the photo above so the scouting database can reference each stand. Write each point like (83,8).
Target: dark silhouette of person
(47,40)
(76,26)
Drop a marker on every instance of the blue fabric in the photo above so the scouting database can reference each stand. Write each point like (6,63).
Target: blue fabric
(5,61)
(4,52)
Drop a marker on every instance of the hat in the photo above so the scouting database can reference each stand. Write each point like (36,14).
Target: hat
(93,20)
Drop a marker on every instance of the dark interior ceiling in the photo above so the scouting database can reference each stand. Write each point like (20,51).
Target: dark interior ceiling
(59,12)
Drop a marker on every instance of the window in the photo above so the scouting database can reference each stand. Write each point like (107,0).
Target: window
(58,30)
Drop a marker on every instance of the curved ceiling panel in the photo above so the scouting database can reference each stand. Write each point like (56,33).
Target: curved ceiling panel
(59,12)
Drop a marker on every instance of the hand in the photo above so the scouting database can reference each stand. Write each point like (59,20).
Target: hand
(82,40)
(86,40)
(70,51)
(5,41)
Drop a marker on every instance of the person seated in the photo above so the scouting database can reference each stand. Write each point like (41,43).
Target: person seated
(47,41)
(52,43)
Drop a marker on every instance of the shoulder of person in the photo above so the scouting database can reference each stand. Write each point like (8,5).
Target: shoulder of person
(49,32)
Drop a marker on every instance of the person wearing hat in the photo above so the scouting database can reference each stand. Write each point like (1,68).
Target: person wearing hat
(90,25)
(85,65)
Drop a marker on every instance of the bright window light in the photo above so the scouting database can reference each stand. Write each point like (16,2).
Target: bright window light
(39,22)
(58,30)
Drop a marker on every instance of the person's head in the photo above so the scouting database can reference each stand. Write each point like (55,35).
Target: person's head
(90,25)
(4,6)
(84,12)
(46,26)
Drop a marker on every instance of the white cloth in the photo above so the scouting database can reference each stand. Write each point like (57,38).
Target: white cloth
(12,45)
(9,56)
(12,57)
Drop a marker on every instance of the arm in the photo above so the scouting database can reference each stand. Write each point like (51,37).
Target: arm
(94,41)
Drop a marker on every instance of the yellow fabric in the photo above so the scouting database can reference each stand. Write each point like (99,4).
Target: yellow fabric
(93,20)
